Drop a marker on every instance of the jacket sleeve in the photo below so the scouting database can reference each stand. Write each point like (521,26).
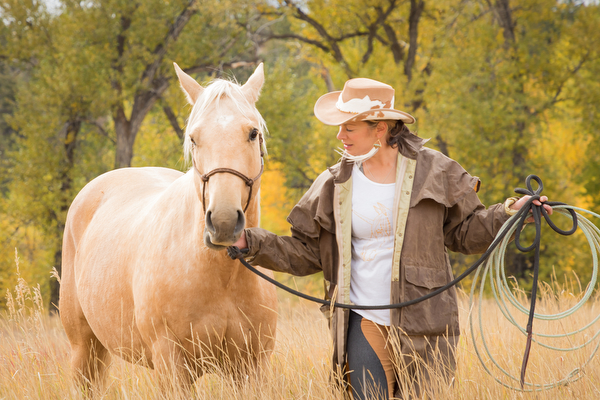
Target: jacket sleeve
(297,254)
(469,227)
(312,231)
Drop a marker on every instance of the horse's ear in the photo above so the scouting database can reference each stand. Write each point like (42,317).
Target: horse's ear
(191,88)
(252,87)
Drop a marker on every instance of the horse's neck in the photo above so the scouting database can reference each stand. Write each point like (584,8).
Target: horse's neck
(253,212)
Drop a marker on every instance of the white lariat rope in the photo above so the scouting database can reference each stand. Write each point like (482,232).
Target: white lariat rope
(495,269)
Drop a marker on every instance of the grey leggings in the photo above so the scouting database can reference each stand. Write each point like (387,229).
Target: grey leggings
(367,375)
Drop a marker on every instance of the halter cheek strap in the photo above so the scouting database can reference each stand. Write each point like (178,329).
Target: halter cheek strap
(249,181)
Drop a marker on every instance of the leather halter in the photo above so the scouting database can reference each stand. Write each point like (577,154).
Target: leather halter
(249,181)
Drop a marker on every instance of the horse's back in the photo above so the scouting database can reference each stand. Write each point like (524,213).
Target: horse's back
(107,210)
(117,191)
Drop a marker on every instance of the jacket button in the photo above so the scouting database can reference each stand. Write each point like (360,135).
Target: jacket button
(410,177)
(407,192)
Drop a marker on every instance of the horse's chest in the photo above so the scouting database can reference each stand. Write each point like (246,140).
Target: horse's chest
(207,315)
(203,311)
(216,329)
(222,327)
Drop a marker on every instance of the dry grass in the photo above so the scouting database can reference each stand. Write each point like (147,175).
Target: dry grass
(34,359)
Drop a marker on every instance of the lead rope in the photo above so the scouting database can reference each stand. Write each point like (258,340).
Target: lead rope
(495,256)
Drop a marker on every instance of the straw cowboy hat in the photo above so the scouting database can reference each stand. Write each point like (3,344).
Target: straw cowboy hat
(362,99)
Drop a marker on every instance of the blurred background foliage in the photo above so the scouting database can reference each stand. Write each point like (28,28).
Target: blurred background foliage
(505,87)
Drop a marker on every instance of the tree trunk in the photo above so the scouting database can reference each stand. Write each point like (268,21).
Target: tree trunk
(125,140)
(54,285)
(504,15)
(71,130)
(127,129)
(155,85)
(442,145)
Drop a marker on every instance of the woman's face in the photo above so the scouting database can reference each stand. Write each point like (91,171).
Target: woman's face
(357,137)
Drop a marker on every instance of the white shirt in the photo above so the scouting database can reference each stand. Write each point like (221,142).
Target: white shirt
(372,245)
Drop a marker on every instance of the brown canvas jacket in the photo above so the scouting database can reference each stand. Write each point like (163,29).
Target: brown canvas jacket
(444,213)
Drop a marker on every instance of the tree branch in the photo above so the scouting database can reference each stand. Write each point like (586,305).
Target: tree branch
(161,49)
(374,26)
(570,73)
(315,43)
(101,129)
(416,9)
(327,78)
(210,67)
(117,64)
(331,41)
(173,120)
(504,14)
(395,47)
(144,101)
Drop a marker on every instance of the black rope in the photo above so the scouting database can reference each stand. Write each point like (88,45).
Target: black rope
(520,218)
(235,253)
(537,210)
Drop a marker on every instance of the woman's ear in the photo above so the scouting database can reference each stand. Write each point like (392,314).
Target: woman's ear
(381,129)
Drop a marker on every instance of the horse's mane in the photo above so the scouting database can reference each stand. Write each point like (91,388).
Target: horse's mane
(212,94)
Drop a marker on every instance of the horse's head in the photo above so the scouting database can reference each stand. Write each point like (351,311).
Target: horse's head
(223,137)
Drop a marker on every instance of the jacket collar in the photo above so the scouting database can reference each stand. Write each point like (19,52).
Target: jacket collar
(409,147)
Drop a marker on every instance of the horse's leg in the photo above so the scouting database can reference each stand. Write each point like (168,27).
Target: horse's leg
(89,358)
(174,368)
(247,363)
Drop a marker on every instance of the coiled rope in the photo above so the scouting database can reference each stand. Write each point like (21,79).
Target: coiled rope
(495,261)
(494,269)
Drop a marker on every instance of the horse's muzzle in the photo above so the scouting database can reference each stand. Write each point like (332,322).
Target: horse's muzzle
(222,229)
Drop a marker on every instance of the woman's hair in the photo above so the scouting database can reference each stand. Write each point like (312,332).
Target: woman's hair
(396,128)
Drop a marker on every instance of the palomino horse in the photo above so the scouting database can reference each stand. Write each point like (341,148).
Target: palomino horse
(145,275)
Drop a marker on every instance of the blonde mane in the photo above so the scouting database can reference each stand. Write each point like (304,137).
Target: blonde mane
(212,94)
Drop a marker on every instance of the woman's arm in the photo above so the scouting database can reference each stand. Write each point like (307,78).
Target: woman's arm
(470,228)
(297,254)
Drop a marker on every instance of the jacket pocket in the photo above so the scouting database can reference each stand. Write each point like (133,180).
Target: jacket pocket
(435,316)
(426,277)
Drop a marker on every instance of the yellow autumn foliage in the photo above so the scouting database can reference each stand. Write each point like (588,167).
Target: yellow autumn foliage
(275,205)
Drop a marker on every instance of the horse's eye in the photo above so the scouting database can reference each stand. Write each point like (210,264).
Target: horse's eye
(253,133)
(193,142)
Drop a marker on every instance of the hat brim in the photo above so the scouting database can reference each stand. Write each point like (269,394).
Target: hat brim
(327,112)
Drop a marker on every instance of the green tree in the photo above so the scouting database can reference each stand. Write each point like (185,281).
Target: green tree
(96,71)
(135,44)
(506,71)
(487,81)
(51,107)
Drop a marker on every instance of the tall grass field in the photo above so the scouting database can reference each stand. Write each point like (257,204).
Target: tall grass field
(34,357)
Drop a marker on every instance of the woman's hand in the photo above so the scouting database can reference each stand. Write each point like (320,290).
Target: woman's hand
(241,242)
(519,203)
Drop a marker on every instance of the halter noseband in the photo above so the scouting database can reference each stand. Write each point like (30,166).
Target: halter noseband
(249,181)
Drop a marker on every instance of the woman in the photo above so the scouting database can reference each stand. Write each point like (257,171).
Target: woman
(378,224)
